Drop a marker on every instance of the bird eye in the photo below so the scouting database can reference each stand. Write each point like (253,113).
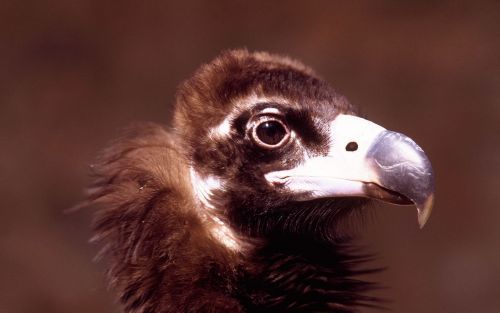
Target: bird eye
(270,133)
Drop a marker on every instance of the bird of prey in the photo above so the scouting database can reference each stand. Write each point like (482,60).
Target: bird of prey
(238,205)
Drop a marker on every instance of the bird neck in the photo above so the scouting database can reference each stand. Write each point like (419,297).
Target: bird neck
(292,275)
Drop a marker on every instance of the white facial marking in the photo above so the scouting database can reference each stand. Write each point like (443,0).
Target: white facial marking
(224,235)
(203,189)
(224,128)
(271,111)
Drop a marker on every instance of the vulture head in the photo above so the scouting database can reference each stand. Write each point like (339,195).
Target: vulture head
(238,206)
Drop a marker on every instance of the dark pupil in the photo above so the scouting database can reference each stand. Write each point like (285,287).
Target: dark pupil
(271,132)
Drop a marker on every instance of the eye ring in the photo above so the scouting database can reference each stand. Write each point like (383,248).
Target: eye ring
(270,132)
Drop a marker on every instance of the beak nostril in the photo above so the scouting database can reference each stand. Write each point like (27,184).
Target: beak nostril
(351,146)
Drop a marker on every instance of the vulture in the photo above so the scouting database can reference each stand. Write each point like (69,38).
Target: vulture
(243,202)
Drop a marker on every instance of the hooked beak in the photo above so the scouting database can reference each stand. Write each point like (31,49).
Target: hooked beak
(364,160)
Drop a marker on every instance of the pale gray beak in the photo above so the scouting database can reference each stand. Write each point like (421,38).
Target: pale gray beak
(365,160)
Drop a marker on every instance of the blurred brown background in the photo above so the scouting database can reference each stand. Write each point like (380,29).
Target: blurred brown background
(73,72)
